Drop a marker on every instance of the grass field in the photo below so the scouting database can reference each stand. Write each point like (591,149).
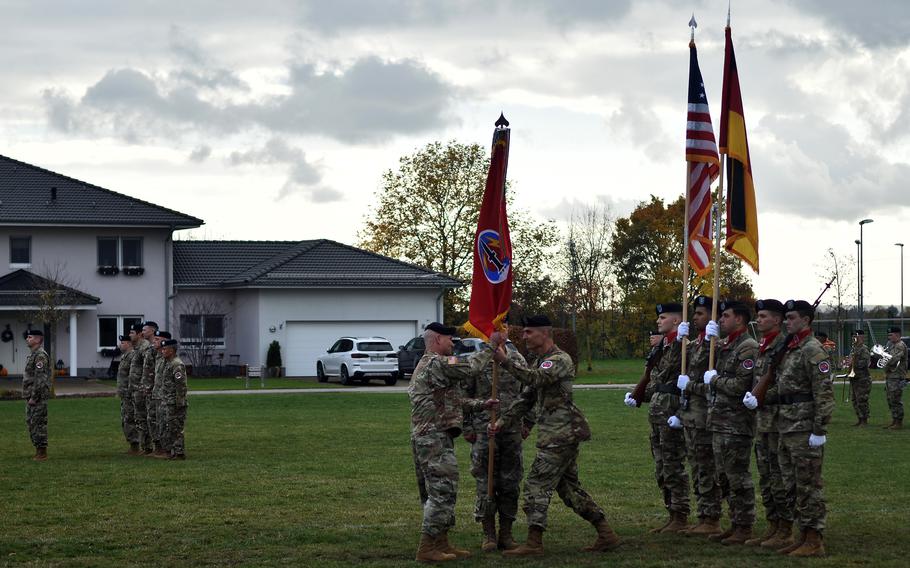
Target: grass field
(327,480)
(232,383)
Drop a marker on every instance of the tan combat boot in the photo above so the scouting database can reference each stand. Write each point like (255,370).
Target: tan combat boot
(812,547)
(782,539)
(717,537)
(443,545)
(134,449)
(534,546)
(40,454)
(709,526)
(898,425)
(741,533)
(656,530)
(607,539)
(797,542)
(427,552)
(701,521)
(505,540)
(679,522)
(769,534)
(488,524)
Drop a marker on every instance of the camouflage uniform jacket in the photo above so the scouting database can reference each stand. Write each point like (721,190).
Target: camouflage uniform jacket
(665,404)
(805,370)
(148,367)
(36,379)
(174,379)
(896,368)
(735,372)
(549,377)
(861,360)
(767,413)
(481,387)
(695,413)
(436,399)
(158,387)
(136,365)
(123,371)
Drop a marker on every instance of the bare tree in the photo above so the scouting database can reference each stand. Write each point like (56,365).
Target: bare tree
(202,323)
(839,270)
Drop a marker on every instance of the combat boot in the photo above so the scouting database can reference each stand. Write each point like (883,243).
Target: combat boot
(534,546)
(701,521)
(898,425)
(741,533)
(811,547)
(797,542)
(40,454)
(656,530)
(888,427)
(772,530)
(489,534)
(505,540)
(607,539)
(134,449)
(427,552)
(717,537)
(782,539)
(709,526)
(679,522)
(443,545)
(161,452)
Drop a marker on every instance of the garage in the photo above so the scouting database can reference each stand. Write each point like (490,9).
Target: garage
(308,340)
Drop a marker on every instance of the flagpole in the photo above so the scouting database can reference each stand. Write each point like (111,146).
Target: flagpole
(685,269)
(718,207)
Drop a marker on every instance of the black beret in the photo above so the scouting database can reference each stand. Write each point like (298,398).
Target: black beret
(150,323)
(655,332)
(703,301)
(671,308)
(538,321)
(36,332)
(799,305)
(859,332)
(440,329)
(770,305)
(124,337)
(170,343)
(894,330)
(164,334)
(137,327)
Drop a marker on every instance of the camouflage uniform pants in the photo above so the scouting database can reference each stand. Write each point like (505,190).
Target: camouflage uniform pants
(507,473)
(36,420)
(127,419)
(557,468)
(176,420)
(801,468)
(668,447)
(700,452)
(437,480)
(732,456)
(140,412)
(770,481)
(859,392)
(162,422)
(153,418)
(893,391)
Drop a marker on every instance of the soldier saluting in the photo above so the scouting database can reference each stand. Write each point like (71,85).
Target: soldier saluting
(36,390)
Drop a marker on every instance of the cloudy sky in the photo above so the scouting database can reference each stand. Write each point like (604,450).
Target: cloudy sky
(275,120)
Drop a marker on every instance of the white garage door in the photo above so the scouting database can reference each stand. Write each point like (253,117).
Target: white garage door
(308,340)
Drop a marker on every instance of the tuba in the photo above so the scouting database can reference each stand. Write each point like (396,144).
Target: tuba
(883,356)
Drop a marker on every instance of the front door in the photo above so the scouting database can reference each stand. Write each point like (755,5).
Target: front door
(13,350)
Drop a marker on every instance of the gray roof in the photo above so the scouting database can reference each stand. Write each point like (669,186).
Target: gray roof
(295,264)
(26,196)
(24,288)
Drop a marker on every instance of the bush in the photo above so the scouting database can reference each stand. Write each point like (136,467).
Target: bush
(273,357)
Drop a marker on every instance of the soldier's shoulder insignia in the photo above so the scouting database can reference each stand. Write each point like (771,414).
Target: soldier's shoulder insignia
(546,364)
(452,360)
(39,364)
(748,364)
(178,375)
(824,367)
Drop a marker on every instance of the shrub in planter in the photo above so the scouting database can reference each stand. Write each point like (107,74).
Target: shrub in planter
(273,359)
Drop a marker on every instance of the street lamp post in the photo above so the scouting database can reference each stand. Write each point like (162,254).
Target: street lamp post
(861,308)
(859,320)
(902,286)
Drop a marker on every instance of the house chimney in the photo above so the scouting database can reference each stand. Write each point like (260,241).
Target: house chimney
(53,194)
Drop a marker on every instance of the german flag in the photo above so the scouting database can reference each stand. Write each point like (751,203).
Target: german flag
(742,217)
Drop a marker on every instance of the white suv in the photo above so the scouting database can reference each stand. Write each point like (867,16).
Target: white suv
(359,358)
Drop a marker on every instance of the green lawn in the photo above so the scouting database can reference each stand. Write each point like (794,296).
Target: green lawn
(232,383)
(327,480)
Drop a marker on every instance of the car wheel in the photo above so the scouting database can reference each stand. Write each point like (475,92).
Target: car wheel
(320,373)
(392,380)
(345,377)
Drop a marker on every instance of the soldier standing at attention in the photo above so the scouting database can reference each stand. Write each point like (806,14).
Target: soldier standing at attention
(895,377)
(806,397)
(861,382)
(149,329)
(157,405)
(732,424)
(174,393)
(508,468)
(36,390)
(437,416)
(140,402)
(127,420)
(561,428)
(694,416)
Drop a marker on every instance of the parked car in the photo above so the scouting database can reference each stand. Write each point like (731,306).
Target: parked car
(359,358)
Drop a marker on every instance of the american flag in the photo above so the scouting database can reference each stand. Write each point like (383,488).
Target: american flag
(701,152)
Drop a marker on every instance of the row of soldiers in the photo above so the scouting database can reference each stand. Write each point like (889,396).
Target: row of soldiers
(895,369)
(151,384)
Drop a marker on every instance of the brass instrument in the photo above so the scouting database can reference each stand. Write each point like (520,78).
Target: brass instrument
(883,356)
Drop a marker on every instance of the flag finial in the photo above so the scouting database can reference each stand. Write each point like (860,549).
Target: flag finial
(728,12)
(692,24)
(501,122)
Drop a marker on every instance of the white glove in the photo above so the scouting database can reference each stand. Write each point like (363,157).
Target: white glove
(682,381)
(750,402)
(674,422)
(712,329)
(709,376)
(682,331)
(630,402)
(817,441)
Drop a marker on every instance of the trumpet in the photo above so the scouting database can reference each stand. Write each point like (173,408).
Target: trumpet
(883,356)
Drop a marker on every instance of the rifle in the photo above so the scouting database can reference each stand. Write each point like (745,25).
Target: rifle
(777,357)
(638,393)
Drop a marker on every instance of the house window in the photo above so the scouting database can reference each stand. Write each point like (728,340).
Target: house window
(131,250)
(109,327)
(202,330)
(107,251)
(20,251)
(116,253)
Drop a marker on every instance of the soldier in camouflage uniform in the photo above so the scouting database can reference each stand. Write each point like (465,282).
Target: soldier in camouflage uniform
(561,428)
(806,401)
(861,382)
(157,407)
(140,397)
(507,468)
(127,419)
(174,394)
(694,416)
(437,417)
(732,424)
(895,377)
(36,390)
(668,442)
(149,329)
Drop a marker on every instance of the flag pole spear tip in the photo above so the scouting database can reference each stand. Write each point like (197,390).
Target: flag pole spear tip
(501,122)
(728,12)
(692,24)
